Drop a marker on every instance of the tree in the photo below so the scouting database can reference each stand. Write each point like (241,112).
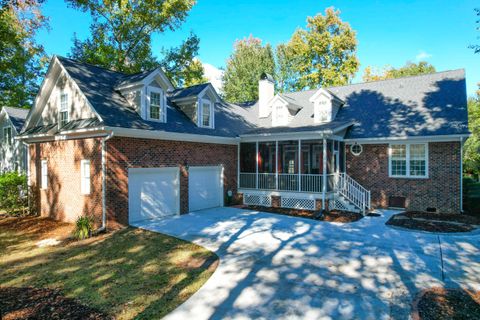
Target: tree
(121,31)
(476,47)
(180,64)
(22,60)
(244,67)
(322,55)
(387,72)
(471,157)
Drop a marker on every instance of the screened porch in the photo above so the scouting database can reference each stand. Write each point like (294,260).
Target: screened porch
(294,165)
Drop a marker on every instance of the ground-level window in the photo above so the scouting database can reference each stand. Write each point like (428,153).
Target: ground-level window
(7,135)
(408,160)
(44,171)
(85,176)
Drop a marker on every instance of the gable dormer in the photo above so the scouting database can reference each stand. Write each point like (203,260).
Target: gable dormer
(325,106)
(283,110)
(198,103)
(147,93)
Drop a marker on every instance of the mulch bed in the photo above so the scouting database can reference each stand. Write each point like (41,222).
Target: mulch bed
(443,304)
(33,303)
(439,222)
(330,216)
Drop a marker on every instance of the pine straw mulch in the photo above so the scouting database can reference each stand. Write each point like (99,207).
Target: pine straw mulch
(329,216)
(33,303)
(434,222)
(442,304)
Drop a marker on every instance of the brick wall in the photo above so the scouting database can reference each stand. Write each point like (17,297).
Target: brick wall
(440,190)
(62,200)
(124,153)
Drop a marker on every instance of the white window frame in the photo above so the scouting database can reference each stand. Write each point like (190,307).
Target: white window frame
(200,113)
(8,141)
(163,113)
(44,175)
(407,158)
(63,108)
(85,177)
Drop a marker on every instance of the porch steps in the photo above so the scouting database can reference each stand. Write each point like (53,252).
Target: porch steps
(342,203)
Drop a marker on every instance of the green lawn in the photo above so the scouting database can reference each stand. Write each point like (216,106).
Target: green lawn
(126,274)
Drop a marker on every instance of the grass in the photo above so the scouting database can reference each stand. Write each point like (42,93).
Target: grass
(127,274)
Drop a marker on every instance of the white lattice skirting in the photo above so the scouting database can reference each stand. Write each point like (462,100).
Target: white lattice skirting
(298,203)
(257,200)
(339,205)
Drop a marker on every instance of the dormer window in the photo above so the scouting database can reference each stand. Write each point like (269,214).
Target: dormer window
(156,106)
(206,112)
(280,115)
(63,113)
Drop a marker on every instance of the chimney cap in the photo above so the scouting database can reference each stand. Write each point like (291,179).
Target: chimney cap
(266,76)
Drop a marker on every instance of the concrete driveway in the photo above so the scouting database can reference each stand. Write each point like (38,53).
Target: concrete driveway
(279,267)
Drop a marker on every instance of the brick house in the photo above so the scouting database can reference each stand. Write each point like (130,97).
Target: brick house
(130,147)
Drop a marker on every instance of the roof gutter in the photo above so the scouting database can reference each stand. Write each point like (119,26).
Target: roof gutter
(104,182)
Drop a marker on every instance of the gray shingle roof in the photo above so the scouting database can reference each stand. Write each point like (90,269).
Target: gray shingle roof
(433,104)
(98,86)
(17,116)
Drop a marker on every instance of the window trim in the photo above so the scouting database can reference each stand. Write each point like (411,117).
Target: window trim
(85,180)
(407,159)
(62,110)
(10,138)
(163,114)
(200,114)
(44,174)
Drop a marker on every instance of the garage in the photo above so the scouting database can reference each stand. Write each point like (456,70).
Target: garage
(153,193)
(205,187)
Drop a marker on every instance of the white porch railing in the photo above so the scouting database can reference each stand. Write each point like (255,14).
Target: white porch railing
(354,192)
(287,182)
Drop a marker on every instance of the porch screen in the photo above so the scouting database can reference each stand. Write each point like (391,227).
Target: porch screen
(247,157)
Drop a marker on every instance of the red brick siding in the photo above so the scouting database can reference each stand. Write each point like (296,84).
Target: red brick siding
(62,200)
(124,153)
(440,190)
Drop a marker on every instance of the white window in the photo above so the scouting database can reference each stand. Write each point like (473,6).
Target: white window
(206,114)
(7,135)
(408,160)
(280,114)
(322,111)
(156,109)
(44,178)
(63,114)
(85,176)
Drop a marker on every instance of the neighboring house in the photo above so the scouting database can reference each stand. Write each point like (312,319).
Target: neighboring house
(13,153)
(129,147)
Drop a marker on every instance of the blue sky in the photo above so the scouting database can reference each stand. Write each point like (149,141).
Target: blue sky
(388,32)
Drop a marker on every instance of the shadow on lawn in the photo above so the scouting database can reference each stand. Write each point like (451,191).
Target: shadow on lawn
(121,274)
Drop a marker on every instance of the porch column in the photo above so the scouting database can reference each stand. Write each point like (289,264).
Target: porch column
(299,165)
(276,165)
(324,177)
(256,165)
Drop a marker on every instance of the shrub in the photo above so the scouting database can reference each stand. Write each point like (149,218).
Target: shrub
(83,228)
(471,196)
(13,192)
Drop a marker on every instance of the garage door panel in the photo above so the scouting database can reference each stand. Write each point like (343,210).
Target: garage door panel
(205,187)
(153,193)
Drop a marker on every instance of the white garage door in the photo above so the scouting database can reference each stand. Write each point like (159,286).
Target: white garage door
(153,193)
(205,187)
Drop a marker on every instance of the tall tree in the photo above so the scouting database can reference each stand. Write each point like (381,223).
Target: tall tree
(388,72)
(323,54)
(22,60)
(180,65)
(472,145)
(121,31)
(476,47)
(244,67)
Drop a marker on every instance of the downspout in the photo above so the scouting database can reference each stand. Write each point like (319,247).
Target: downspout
(324,177)
(104,182)
(461,175)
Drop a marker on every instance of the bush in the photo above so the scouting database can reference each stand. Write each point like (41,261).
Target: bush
(13,192)
(471,196)
(83,228)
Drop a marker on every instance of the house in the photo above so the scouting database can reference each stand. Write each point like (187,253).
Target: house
(130,147)
(13,153)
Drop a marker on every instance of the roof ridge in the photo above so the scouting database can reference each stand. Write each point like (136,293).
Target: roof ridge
(395,79)
(18,108)
(92,65)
